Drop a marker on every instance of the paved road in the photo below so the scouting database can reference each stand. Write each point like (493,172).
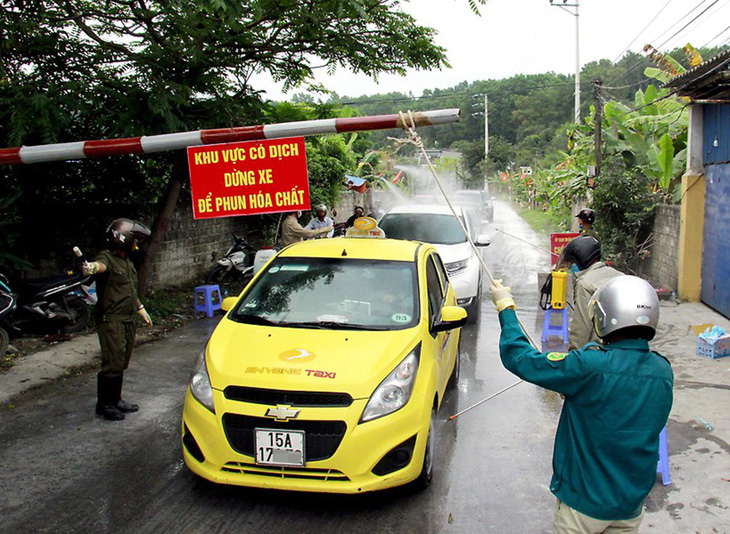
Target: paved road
(64,470)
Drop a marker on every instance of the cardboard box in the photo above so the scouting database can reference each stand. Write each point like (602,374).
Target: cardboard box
(719,349)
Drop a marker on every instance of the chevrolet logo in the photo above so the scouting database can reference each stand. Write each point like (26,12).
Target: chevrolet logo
(282,412)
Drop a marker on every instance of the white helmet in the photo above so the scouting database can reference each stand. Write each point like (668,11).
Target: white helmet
(321,207)
(625,302)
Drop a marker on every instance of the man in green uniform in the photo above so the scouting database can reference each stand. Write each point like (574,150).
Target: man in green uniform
(586,217)
(617,400)
(584,253)
(116,287)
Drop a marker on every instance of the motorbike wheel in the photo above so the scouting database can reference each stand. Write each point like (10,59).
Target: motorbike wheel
(81,314)
(4,342)
(216,275)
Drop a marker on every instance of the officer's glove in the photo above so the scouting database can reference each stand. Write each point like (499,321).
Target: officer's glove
(144,315)
(89,268)
(326,230)
(501,296)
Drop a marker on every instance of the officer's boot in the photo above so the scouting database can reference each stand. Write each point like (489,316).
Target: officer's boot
(122,405)
(105,405)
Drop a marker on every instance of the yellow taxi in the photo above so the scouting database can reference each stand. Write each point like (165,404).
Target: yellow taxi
(328,370)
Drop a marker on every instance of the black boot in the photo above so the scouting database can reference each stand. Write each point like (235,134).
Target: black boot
(122,405)
(105,391)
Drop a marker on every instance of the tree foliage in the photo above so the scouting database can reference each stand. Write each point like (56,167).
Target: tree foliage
(71,71)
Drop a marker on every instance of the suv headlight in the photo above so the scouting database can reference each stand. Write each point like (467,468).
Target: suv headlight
(200,383)
(457,266)
(395,390)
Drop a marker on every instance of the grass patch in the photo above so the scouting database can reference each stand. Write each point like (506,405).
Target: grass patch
(549,221)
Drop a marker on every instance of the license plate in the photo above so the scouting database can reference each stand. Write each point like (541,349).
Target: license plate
(279,447)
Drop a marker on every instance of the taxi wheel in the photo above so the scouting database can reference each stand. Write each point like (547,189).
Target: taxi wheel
(424,479)
(454,378)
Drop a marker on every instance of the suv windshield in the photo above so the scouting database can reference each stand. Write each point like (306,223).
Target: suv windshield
(332,294)
(425,227)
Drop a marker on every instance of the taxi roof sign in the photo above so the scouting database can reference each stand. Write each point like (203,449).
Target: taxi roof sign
(365,227)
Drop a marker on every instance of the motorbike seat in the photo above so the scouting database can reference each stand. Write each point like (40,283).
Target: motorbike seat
(38,285)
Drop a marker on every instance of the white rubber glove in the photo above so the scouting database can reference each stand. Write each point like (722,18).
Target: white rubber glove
(145,316)
(501,296)
(90,267)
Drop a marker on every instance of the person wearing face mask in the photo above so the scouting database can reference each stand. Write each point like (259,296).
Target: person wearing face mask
(586,217)
(292,231)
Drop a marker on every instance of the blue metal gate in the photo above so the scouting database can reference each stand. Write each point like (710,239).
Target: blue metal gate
(716,248)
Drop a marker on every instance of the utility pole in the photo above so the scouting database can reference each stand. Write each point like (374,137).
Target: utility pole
(565,5)
(597,83)
(486,128)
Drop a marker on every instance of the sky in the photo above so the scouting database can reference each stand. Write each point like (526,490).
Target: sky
(532,36)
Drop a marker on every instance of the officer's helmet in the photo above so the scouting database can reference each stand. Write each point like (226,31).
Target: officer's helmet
(625,302)
(126,234)
(587,214)
(583,250)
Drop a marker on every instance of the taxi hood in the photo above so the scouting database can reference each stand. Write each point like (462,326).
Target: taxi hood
(303,359)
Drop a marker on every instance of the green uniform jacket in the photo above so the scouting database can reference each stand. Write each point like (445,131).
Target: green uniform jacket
(116,288)
(617,401)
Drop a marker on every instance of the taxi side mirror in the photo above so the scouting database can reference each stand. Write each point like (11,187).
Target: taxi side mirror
(228,303)
(451,317)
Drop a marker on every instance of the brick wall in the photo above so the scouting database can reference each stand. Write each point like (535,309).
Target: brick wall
(191,247)
(662,267)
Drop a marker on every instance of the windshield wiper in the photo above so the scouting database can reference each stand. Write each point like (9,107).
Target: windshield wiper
(332,325)
(255,319)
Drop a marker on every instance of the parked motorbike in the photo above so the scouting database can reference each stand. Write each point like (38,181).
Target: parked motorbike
(238,259)
(53,303)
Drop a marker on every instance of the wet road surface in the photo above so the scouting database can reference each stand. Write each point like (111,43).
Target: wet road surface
(64,470)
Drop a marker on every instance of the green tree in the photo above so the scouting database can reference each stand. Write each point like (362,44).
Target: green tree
(87,69)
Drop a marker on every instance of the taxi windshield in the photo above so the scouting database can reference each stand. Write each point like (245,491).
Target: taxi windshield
(332,293)
(425,227)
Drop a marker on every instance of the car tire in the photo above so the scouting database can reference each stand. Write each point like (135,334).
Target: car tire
(454,378)
(475,309)
(424,479)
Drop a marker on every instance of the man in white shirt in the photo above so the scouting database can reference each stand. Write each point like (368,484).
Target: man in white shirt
(321,221)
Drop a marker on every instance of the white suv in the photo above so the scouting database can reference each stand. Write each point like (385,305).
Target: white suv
(437,225)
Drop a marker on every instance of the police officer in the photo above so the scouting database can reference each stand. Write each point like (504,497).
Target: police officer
(617,400)
(116,287)
(586,217)
(584,252)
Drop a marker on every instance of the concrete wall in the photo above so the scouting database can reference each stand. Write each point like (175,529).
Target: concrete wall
(662,267)
(191,247)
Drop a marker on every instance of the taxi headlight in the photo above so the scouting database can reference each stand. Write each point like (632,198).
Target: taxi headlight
(200,383)
(395,390)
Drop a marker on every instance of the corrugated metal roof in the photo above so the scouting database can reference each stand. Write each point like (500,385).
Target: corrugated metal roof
(709,80)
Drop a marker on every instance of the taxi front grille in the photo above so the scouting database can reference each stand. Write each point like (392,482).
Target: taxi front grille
(302,473)
(321,437)
(273,397)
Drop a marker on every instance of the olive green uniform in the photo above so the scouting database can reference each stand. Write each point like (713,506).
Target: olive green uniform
(115,311)
(617,401)
(586,283)
(590,232)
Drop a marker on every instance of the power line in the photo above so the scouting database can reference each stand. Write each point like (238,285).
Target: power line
(690,22)
(642,31)
(689,13)
(716,36)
